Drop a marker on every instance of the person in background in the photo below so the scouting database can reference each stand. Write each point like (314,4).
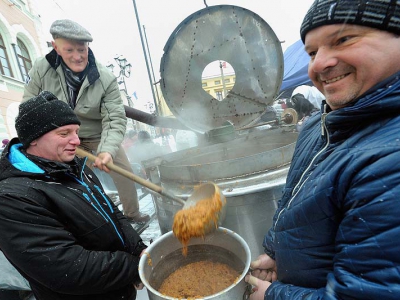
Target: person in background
(144,148)
(303,107)
(130,139)
(335,232)
(58,227)
(4,142)
(311,93)
(71,72)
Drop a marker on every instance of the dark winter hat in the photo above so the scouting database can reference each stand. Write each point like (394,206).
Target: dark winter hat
(379,14)
(40,115)
(70,30)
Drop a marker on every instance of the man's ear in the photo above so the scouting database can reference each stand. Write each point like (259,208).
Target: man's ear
(33,143)
(53,43)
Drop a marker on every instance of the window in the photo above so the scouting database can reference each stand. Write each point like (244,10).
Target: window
(3,128)
(204,84)
(217,82)
(24,59)
(219,95)
(227,80)
(4,61)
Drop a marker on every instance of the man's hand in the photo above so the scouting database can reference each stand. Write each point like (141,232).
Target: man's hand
(263,273)
(102,159)
(264,268)
(259,287)
(139,286)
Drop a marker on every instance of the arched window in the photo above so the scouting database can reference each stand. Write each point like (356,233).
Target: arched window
(11,115)
(3,129)
(24,59)
(4,61)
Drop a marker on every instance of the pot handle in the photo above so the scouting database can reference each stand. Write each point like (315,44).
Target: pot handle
(247,292)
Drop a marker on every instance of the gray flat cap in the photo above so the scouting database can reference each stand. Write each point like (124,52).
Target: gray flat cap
(70,30)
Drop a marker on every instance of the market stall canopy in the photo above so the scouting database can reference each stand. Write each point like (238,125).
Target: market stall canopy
(295,67)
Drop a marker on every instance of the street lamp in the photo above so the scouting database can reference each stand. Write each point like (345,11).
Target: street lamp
(124,71)
(110,66)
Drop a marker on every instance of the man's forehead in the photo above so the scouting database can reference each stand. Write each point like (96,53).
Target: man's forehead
(64,42)
(69,127)
(338,30)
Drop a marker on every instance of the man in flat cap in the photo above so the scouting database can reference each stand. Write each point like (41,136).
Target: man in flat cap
(335,234)
(71,72)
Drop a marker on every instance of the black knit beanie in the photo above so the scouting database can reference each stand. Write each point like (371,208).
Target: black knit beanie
(40,115)
(379,14)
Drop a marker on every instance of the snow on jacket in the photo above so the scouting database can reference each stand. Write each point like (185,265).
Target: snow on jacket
(62,233)
(99,105)
(335,234)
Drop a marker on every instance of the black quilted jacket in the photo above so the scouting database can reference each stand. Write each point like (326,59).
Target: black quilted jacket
(63,234)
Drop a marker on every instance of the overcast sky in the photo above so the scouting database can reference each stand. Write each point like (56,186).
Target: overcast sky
(114,27)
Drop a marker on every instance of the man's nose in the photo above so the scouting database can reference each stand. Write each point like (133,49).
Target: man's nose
(75,140)
(77,55)
(323,60)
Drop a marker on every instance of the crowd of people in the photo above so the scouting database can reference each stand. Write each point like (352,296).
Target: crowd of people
(334,233)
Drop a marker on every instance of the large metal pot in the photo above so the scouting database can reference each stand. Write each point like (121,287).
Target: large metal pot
(164,256)
(250,167)
(250,170)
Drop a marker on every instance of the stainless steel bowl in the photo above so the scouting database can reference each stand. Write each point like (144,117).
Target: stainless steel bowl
(164,256)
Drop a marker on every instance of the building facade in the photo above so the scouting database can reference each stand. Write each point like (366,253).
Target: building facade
(21,43)
(218,86)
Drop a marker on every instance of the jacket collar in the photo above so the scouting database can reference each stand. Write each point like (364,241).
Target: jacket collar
(16,162)
(93,73)
(379,102)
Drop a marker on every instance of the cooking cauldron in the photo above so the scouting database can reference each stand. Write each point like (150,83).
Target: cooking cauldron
(164,256)
(249,166)
(250,171)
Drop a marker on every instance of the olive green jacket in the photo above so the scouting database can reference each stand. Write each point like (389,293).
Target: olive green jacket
(99,105)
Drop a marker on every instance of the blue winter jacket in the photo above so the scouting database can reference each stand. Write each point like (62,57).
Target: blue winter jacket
(336,233)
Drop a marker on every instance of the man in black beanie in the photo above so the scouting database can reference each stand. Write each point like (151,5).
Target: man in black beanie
(335,233)
(58,228)
(40,115)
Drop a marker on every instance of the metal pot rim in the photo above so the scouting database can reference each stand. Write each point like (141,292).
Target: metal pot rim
(144,260)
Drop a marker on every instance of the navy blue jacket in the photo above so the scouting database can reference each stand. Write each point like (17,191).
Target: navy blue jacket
(62,233)
(336,233)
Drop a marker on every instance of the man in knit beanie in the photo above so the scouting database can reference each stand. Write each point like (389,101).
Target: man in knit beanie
(40,115)
(335,232)
(72,73)
(58,228)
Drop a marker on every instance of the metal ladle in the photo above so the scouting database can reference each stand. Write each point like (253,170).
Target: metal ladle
(204,191)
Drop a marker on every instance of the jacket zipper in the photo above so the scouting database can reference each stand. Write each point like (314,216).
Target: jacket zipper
(94,206)
(103,213)
(105,216)
(112,211)
(299,185)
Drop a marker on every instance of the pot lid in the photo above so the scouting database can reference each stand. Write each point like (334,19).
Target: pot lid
(226,33)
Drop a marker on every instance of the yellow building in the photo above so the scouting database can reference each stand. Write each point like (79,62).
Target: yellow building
(218,86)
